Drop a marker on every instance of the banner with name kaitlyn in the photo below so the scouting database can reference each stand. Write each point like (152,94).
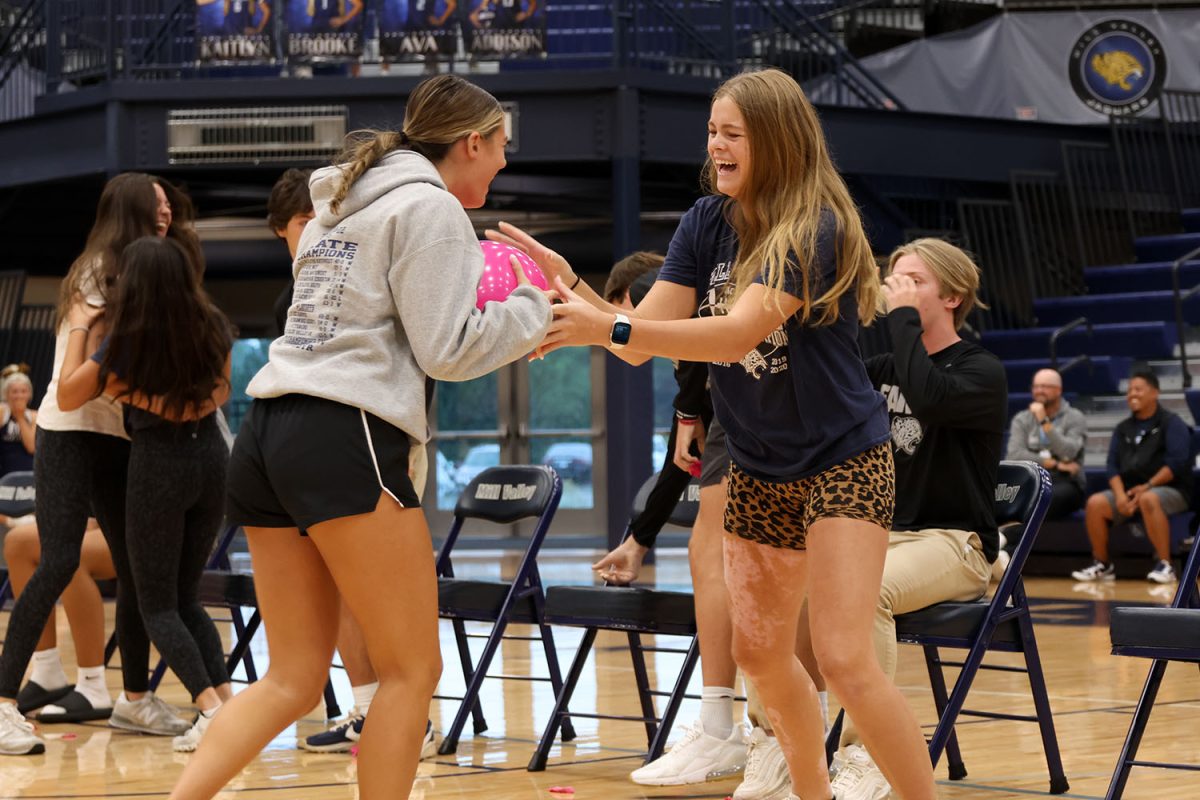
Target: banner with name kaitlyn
(499,28)
(234,30)
(412,29)
(324,30)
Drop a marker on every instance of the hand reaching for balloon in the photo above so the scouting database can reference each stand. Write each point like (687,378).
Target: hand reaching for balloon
(576,322)
(554,265)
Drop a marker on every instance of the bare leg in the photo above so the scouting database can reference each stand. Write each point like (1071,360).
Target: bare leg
(766,590)
(845,573)
(708,584)
(366,553)
(297,598)
(82,601)
(1158,527)
(1098,515)
(352,647)
(22,552)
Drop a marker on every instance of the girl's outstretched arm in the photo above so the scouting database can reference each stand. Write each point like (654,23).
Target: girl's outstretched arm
(79,378)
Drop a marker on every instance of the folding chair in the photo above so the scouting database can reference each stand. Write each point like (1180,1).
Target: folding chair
(1161,634)
(16,500)
(1000,624)
(634,611)
(500,495)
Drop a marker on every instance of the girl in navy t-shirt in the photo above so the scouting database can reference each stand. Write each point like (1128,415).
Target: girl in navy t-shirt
(780,270)
(18,421)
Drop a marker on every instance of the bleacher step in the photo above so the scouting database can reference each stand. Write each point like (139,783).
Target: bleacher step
(1124,307)
(1165,248)
(1130,339)
(1151,277)
(1191,220)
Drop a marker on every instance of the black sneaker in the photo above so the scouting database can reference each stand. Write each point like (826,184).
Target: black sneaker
(338,739)
(1098,571)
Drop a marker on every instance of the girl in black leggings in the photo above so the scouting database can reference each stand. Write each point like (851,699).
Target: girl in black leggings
(167,357)
(81,461)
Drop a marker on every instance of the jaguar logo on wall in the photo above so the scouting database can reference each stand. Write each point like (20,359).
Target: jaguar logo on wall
(1118,67)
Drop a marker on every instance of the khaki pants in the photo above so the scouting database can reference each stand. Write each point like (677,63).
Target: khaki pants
(922,568)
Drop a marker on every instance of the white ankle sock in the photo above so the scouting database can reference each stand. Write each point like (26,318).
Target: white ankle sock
(89,682)
(716,711)
(212,712)
(48,670)
(363,695)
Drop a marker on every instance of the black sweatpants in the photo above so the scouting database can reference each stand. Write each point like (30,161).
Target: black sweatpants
(77,474)
(175,504)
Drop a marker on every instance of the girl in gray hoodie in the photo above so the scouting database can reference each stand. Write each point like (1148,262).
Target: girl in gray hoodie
(385,295)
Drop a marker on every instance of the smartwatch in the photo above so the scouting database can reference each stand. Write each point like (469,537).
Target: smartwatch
(618,337)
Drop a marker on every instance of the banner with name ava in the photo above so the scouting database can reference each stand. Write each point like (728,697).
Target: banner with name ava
(413,29)
(230,31)
(500,28)
(324,30)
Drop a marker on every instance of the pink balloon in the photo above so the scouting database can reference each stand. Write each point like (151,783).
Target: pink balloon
(498,280)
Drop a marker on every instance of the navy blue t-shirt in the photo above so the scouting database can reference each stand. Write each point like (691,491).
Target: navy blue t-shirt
(800,402)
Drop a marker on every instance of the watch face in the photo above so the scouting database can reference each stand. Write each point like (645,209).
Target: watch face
(620,332)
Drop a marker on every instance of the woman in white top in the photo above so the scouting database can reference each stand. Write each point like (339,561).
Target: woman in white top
(81,462)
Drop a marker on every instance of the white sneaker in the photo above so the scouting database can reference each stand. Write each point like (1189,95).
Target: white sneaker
(188,742)
(857,776)
(696,758)
(766,776)
(429,743)
(1097,571)
(1163,572)
(16,733)
(147,715)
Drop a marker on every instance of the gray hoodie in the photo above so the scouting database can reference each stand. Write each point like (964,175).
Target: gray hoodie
(385,295)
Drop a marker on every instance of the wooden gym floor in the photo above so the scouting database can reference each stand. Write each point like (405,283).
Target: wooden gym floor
(1092,693)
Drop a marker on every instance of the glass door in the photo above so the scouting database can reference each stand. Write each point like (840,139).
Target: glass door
(549,411)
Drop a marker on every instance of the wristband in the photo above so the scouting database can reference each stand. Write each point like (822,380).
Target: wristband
(578,278)
(683,421)
(78,328)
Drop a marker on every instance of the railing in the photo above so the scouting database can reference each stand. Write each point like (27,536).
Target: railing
(1058,333)
(993,233)
(1098,205)
(48,46)
(1181,110)
(1180,297)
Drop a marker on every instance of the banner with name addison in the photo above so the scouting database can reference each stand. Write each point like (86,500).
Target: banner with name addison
(411,29)
(234,30)
(324,30)
(499,28)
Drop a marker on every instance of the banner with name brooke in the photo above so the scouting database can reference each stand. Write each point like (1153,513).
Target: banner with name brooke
(324,30)
(234,30)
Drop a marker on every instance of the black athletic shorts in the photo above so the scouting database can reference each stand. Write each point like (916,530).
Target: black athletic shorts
(300,460)
(714,463)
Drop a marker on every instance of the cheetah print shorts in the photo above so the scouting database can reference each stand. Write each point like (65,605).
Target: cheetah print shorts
(779,514)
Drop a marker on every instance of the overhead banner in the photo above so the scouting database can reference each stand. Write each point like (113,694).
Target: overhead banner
(324,30)
(411,29)
(234,30)
(1073,67)
(500,28)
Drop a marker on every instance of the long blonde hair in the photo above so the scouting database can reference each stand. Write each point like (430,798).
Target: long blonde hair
(790,182)
(440,111)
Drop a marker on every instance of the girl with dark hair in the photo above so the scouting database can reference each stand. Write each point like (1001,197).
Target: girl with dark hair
(166,355)
(81,461)
(386,278)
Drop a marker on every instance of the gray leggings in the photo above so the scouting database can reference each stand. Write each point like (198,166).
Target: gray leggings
(175,504)
(78,474)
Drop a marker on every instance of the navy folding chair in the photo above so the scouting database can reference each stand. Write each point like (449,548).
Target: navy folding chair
(1161,634)
(633,611)
(1002,623)
(500,495)
(16,500)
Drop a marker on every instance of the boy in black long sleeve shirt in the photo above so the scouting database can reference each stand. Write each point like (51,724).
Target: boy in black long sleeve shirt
(947,404)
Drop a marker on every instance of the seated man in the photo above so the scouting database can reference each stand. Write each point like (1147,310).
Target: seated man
(948,401)
(1149,473)
(1052,434)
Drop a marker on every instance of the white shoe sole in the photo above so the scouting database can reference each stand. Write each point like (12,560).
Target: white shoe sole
(689,778)
(133,727)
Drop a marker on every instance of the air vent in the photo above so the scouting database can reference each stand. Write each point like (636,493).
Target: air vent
(289,134)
